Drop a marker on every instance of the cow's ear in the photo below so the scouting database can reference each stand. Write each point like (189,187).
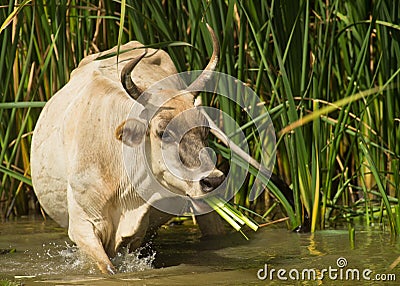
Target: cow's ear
(131,132)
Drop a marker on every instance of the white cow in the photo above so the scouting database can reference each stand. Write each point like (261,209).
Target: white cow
(94,138)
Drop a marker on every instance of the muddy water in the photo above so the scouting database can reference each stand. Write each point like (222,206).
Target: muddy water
(44,256)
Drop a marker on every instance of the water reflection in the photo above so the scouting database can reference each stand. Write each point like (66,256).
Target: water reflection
(312,247)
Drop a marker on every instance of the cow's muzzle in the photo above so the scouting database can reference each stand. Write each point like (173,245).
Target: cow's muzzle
(212,181)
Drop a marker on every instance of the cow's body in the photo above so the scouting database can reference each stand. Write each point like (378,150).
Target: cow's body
(88,99)
(78,171)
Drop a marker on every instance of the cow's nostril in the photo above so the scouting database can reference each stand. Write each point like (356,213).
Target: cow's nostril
(210,183)
(206,185)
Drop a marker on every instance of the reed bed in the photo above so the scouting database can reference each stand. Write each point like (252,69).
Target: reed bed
(327,71)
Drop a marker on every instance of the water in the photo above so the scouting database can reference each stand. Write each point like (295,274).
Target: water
(44,255)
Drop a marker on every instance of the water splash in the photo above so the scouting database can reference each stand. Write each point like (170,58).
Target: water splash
(56,259)
(126,261)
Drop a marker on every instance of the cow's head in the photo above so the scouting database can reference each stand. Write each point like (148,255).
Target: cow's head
(177,133)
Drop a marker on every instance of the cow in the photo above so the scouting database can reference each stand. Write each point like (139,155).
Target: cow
(95,136)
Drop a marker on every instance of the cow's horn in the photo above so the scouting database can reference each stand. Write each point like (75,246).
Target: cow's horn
(200,82)
(131,88)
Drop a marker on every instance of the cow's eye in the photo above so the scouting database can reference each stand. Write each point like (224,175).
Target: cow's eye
(166,136)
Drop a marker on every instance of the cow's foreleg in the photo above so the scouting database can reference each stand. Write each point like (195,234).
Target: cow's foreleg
(88,242)
(87,237)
